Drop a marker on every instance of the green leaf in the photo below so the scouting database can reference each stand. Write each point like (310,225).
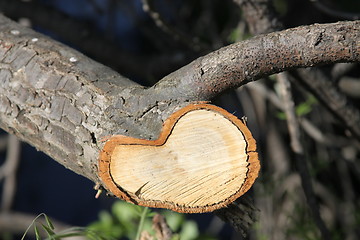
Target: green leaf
(70,234)
(48,230)
(107,225)
(281,115)
(48,222)
(150,214)
(306,107)
(189,231)
(126,215)
(105,218)
(175,237)
(137,209)
(174,219)
(235,35)
(37,234)
(303,109)
(80,231)
(125,211)
(32,223)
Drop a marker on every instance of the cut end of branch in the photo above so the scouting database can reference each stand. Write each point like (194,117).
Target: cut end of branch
(204,159)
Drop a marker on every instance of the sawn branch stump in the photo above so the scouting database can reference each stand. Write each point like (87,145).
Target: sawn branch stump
(204,159)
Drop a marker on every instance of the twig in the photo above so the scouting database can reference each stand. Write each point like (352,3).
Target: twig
(8,172)
(242,62)
(328,94)
(347,207)
(323,89)
(289,108)
(192,43)
(313,131)
(340,69)
(260,16)
(350,86)
(162,229)
(296,146)
(329,140)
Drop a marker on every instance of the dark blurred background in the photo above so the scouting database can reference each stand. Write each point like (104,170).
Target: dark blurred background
(143,47)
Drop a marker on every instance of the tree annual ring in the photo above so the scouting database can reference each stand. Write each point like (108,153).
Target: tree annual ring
(253,166)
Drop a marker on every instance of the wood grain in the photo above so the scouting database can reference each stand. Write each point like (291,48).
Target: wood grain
(203,160)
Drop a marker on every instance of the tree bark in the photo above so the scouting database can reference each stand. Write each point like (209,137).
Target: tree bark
(63,103)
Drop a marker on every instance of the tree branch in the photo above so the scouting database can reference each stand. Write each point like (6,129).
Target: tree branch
(54,97)
(8,172)
(249,60)
(335,101)
(297,148)
(63,103)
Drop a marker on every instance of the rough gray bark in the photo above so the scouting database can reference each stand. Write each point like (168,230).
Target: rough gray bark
(52,101)
(63,103)
(263,55)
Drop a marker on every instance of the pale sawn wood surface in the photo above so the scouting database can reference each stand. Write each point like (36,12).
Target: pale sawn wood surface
(204,159)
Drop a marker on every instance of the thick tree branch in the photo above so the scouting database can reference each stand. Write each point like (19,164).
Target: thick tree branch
(62,102)
(263,55)
(245,61)
(54,97)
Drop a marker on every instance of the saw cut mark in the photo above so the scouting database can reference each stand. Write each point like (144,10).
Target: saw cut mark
(203,160)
